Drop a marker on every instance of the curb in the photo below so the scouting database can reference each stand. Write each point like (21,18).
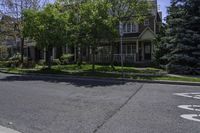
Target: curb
(60,76)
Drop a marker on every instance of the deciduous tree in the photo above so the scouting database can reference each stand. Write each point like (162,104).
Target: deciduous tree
(47,27)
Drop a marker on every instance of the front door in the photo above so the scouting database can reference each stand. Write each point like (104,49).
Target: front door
(147,51)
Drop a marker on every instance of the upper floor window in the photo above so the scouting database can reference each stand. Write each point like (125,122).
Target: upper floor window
(146,22)
(130,28)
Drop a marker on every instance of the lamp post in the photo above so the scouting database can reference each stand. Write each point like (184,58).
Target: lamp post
(121,32)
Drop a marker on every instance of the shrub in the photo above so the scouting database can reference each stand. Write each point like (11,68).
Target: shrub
(41,62)
(14,61)
(3,64)
(56,62)
(66,59)
(15,57)
(29,64)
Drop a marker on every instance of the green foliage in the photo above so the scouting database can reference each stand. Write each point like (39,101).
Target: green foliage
(160,49)
(41,62)
(66,59)
(56,62)
(15,61)
(47,27)
(130,10)
(182,37)
(16,56)
(93,21)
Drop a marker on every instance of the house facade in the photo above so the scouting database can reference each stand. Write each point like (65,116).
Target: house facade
(138,41)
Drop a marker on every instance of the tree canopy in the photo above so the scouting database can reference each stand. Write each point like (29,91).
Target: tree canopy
(182,37)
(47,27)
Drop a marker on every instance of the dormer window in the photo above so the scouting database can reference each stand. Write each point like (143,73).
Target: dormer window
(146,22)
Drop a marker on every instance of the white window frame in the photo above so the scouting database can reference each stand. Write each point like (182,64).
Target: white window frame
(125,28)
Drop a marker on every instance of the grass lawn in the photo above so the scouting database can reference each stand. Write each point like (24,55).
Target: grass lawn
(107,71)
(101,68)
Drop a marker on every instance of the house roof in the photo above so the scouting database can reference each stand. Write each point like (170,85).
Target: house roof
(147,34)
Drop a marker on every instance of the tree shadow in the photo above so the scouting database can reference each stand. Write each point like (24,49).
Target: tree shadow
(76,81)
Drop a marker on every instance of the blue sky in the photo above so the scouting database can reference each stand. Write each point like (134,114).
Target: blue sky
(163,6)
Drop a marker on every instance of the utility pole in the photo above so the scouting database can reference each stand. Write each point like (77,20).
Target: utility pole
(121,32)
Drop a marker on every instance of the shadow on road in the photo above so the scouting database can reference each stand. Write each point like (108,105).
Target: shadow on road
(77,81)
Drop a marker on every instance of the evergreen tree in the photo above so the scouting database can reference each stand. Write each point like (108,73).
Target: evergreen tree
(161,47)
(183,37)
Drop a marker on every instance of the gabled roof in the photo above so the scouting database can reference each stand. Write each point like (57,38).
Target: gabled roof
(147,34)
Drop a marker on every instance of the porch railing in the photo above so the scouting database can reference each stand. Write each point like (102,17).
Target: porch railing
(127,58)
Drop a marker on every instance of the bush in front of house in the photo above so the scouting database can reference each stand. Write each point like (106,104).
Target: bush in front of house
(14,61)
(29,64)
(41,62)
(3,64)
(66,59)
(56,62)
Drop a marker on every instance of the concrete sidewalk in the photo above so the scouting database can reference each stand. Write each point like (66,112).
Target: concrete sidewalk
(7,130)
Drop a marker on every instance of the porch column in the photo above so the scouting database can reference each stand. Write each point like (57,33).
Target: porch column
(142,43)
(152,50)
(137,51)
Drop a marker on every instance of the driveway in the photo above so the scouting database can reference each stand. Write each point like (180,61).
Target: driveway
(37,104)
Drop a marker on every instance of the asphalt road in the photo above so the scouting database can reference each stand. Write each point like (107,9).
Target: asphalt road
(33,104)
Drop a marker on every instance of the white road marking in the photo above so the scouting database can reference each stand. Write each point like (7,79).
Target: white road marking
(195,95)
(190,107)
(7,130)
(196,108)
(191,117)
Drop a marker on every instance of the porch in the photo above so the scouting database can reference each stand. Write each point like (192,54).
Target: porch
(133,52)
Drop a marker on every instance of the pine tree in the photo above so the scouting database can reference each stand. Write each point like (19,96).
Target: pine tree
(183,37)
(193,29)
(161,47)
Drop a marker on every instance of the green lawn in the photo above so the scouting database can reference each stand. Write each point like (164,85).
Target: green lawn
(101,68)
(106,71)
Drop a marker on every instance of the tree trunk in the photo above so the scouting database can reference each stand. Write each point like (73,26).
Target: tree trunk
(93,60)
(48,57)
(22,51)
(112,57)
(79,56)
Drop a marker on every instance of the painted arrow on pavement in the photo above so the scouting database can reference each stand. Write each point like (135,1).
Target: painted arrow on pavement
(195,95)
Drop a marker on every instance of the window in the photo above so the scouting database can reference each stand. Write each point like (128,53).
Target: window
(134,28)
(147,49)
(124,49)
(129,49)
(134,48)
(124,28)
(130,28)
(146,22)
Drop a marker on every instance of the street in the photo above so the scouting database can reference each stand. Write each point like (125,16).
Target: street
(37,104)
